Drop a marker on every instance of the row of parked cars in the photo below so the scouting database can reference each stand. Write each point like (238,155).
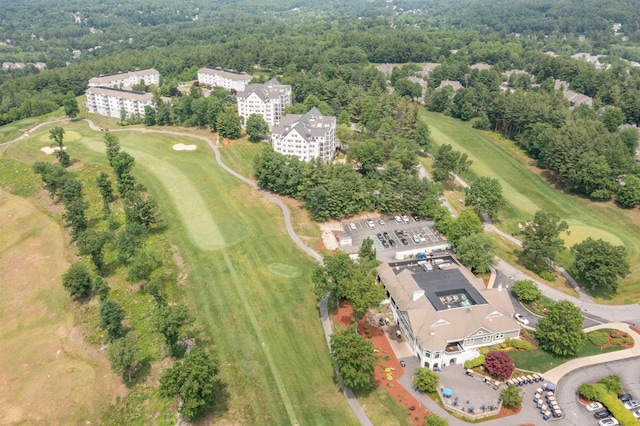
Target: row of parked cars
(604,416)
(400,218)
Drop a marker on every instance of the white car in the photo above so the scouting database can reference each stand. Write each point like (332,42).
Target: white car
(422,238)
(594,406)
(632,405)
(636,414)
(405,218)
(381,222)
(398,219)
(370,224)
(353,226)
(609,421)
(521,318)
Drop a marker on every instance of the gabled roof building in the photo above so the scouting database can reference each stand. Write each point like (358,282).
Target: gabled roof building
(444,313)
(126,79)
(268,100)
(306,136)
(110,102)
(217,77)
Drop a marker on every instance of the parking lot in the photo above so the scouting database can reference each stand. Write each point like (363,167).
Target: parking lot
(391,234)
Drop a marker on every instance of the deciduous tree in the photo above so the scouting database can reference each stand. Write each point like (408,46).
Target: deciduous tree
(542,235)
(601,263)
(169,320)
(77,280)
(256,126)
(477,252)
(122,354)
(355,359)
(111,316)
(485,195)
(228,124)
(560,331)
(499,364)
(195,380)
(112,146)
(70,105)
(426,380)
(57,136)
(526,291)
(511,397)
(629,194)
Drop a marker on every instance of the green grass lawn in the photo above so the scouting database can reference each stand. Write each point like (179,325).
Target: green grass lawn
(542,361)
(527,191)
(241,154)
(249,285)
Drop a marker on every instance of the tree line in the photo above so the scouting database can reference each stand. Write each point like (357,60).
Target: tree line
(103,250)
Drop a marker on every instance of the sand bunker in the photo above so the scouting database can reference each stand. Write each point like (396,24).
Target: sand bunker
(183,147)
(48,150)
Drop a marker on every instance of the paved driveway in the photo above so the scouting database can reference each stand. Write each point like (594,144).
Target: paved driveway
(576,414)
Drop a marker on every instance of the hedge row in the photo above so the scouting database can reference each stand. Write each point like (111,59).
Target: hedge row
(473,363)
(598,392)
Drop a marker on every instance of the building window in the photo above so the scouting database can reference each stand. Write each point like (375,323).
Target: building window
(486,339)
(427,354)
(468,342)
(436,355)
(499,335)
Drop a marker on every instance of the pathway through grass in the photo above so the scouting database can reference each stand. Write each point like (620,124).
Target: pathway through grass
(526,192)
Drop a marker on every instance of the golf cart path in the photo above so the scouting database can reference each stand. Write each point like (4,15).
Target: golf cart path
(326,323)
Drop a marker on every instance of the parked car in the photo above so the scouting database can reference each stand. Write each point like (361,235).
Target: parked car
(381,222)
(370,224)
(594,406)
(416,217)
(353,226)
(385,244)
(422,238)
(636,414)
(415,239)
(404,241)
(609,421)
(386,235)
(625,397)
(380,237)
(398,219)
(398,233)
(632,405)
(521,318)
(601,414)
(405,218)
(392,242)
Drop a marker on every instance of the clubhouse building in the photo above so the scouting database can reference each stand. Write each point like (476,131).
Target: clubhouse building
(267,100)
(444,313)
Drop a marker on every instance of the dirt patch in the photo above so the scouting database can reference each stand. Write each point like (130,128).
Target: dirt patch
(50,375)
(388,370)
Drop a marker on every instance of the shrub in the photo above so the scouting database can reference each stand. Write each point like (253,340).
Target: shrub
(617,341)
(476,362)
(628,340)
(484,351)
(499,364)
(434,420)
(520,344)
(598,338)
(612,382)
(546,275)
(589,391)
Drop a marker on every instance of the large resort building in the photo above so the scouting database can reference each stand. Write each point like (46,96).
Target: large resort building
(127,79)
(306,136)
(217,77)
(268,100)
(111,102)
(444,312)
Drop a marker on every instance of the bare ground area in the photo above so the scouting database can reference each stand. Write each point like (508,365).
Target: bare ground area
(47,373)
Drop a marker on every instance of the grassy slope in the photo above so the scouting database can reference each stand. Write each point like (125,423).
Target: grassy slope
(49,375)
(526,192)
(264,327)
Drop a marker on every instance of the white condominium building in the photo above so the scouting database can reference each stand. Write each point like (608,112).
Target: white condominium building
(229,80)
(306,136)
(268,100)
(127,79)
(107,101)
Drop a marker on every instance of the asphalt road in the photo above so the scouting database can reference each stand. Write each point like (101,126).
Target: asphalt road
(575,412)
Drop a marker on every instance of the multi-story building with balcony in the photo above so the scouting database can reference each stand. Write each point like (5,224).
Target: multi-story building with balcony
(268,100)
(306,136)
(110,102)
(127,79)
(217,77)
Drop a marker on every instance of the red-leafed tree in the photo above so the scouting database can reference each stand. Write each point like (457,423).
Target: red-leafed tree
(499,364)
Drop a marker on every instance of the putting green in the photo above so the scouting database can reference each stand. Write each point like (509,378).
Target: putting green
(193,210)
(69,136)
(578,233)
(284,270)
